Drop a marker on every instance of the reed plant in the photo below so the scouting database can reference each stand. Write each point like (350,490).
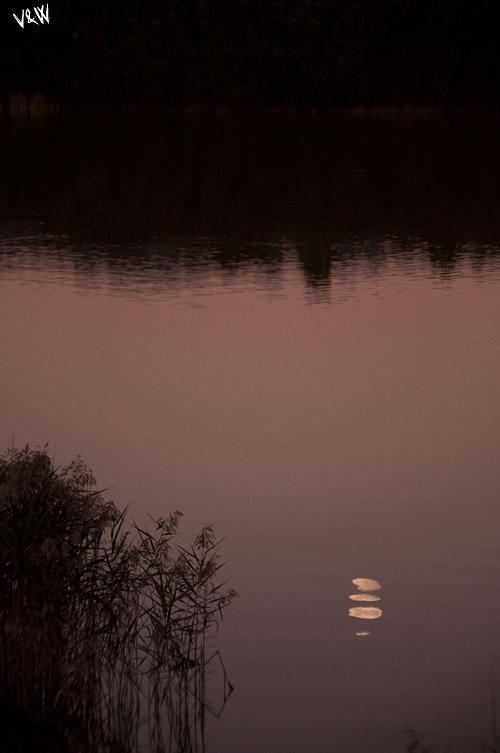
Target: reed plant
(103,624)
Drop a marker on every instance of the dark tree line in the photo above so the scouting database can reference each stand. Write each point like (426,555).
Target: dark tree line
(258,52)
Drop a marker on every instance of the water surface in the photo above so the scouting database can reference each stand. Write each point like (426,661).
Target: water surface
(288,327)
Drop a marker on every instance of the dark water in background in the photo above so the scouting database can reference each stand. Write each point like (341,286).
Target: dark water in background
(289,327)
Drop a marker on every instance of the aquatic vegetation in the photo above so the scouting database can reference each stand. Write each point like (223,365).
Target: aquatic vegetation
(103,624)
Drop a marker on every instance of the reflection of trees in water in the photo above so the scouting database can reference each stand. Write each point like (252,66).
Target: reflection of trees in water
(329,272)
(177,192)
(103,627)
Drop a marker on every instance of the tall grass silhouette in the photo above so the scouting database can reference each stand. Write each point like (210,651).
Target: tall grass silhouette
(103,624)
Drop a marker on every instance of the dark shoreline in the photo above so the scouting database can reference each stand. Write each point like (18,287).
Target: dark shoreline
(22,105)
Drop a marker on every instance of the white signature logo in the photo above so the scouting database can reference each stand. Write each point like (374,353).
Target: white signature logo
(41,13)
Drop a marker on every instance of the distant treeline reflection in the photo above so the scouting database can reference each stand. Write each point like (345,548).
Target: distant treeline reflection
(103,626)
(140,193)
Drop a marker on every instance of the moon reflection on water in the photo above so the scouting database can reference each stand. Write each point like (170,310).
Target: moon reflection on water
(364,586)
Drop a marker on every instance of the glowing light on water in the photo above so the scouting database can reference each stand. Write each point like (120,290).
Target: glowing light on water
(367,584)
(365,613)
(364,586)
(364,597)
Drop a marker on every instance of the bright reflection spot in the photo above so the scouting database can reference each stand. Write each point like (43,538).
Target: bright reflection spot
(364,597)
(367,584)
(365,613)
(362,633)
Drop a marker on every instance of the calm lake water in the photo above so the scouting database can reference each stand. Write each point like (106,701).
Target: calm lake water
(289,327)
